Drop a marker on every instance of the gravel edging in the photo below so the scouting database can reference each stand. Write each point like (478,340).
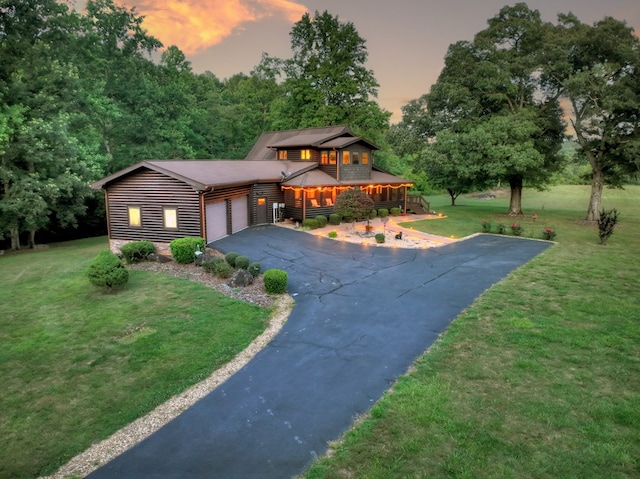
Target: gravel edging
(127,437)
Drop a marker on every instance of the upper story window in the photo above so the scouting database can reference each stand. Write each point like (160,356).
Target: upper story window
(365,158)
(282,154)
(346,158)
(305,154)
(324,157)
(355,157)
(170,217)
(332,157)
(135,216)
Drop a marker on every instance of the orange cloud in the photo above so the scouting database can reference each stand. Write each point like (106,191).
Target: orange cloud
(194,25)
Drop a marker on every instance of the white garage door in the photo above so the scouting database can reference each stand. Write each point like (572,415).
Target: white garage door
(216,221)
(239,214)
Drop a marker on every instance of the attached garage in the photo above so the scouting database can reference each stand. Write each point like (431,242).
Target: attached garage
(239,213)
(216,221)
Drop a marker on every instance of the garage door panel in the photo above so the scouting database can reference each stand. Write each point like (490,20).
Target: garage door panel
(216,221)
(239,214)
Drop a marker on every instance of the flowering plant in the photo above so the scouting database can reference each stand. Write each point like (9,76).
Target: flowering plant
(516,229)
(548,234)
(486,225)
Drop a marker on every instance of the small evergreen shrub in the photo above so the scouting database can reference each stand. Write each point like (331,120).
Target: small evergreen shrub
(183,250)
(380,238)
(310,223)
(107,271)
(275,281)
(137,251)
(373,214)
(230,257)
(395,211)
(242,262)
(502,228)
(254,268)
(209,265)
(333,234)
(606,224)
(383,212)
(222,269)
(335,219)
(322,221)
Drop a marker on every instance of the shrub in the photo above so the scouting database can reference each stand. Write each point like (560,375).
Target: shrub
(373,214)
(254,268)
(322,221)
(606,224)
(333,234)
(242,262)
(335,219)
(516,229)
(380,238)
(183,250)
(310,223)
(383,212)
(107,271)
(486,226)
(209,265)
(275,281)
(230,258)
(353,204)
(395,211)
(137,251)
(548,234)
(502,228)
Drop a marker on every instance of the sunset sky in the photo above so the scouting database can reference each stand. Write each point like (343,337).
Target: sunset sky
(406,39)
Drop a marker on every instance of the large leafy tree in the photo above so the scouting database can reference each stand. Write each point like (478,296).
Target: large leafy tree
(327,82)
(597,69)
(489,118)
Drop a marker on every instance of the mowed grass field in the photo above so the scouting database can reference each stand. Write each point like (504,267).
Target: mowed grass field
(77,363)
(539,378)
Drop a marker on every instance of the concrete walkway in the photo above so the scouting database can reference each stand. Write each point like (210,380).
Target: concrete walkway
(362,316)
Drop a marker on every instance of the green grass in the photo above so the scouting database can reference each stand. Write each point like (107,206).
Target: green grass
(77,363)
(539,378)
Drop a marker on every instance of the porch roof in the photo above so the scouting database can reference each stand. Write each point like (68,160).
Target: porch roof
(316,178)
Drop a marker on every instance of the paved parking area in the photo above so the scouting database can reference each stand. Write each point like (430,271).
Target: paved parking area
(362,317)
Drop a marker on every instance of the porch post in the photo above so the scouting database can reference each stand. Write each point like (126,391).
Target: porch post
(404,210)
(304,203)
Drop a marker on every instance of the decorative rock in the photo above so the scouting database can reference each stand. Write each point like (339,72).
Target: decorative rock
(240,278)
(159,258)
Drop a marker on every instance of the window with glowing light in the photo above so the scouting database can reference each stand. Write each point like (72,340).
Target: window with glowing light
(135,216)
(170,216)
(282,154)
(365,158)
(324,157)
(332,157)
(346,158)
(305,154)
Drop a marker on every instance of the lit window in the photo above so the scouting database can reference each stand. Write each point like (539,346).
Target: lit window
(332,157)
(365,158)
(170,217)
(305,154)
(135,216)
(262,201)
(346,158)
(282,154)
(356,158)
(324,157)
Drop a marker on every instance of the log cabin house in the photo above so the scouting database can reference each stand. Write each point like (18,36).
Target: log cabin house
(292,174)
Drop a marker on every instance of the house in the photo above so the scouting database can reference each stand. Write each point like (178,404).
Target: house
(293,174)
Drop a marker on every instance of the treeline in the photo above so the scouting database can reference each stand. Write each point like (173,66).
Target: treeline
(81,97)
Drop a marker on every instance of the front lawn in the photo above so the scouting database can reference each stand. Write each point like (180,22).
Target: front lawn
(77,364)
(539,378)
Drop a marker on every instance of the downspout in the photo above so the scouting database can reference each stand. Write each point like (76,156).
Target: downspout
(203,217)
(106,206)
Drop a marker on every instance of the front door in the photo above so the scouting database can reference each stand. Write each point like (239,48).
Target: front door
(262,210)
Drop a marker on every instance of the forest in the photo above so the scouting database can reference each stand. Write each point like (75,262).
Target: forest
(85,94)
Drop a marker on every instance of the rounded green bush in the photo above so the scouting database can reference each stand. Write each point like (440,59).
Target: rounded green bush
(222,269)
(242,262)
(137,251)
(383,212)
(395,211)
(335,219)
(275,281)
(310,223)
(107,271)
(230,257)
(254,268)
(209,265)
(373,214)
(380,238)
(183,250)
(322,221)
(333,234)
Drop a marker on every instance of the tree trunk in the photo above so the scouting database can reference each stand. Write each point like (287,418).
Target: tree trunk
(515,204)
(32,238)
(453,196)
(15,238)
(595,200)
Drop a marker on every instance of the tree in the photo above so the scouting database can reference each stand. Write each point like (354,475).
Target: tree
(488,117)
(353,205)
(327,82)
(597,69)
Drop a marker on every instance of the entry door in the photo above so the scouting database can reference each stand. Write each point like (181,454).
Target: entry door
(262,210)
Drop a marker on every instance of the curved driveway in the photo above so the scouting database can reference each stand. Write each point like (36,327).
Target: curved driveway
(362,316)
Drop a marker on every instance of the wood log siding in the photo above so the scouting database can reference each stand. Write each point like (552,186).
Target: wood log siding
(272,192)
(152,191)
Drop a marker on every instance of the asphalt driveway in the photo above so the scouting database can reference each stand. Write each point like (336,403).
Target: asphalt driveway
(362,316)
